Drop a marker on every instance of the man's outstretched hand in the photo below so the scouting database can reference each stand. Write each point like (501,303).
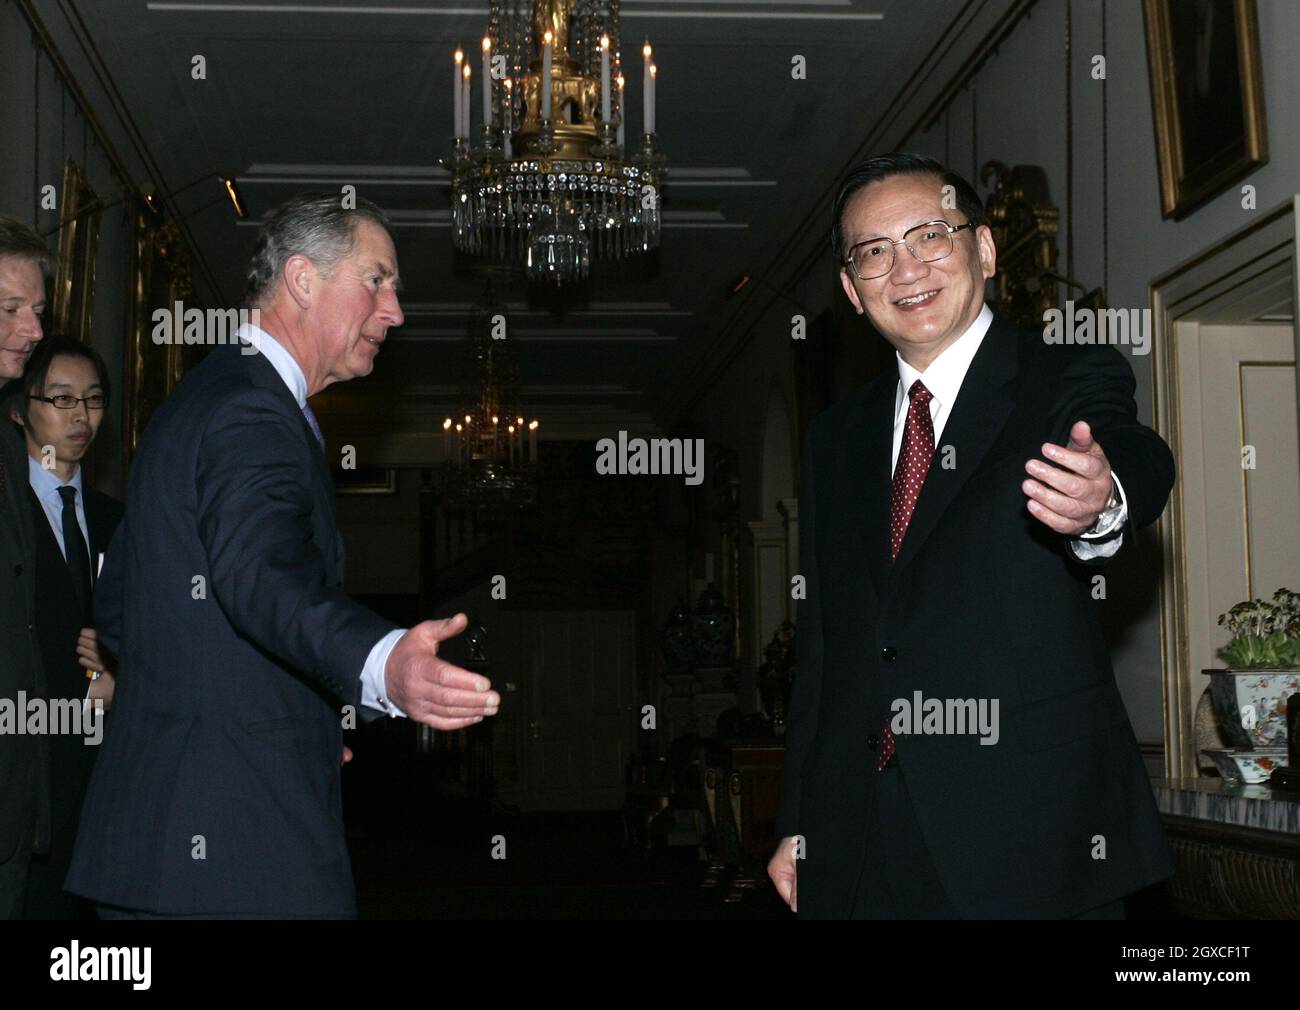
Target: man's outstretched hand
(431,690)
(781,868)
(1068,497)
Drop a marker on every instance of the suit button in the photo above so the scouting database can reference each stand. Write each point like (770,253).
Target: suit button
(873,741)
(18,569)
(888,654)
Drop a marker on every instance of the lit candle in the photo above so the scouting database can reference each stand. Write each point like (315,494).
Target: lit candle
(622,110)
(487,80)
(464,97)
(446,439)
(654,71)
(510,437)
(455,95)
(458,440)
(507,116)
(645,90)
(532,442)
(604,79)
(547,48)
(495,433)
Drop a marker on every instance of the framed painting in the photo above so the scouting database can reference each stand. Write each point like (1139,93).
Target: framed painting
(1207,98)
(74,281)
(160,275)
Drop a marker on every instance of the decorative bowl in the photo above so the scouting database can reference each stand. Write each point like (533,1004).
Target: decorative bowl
(1247,767)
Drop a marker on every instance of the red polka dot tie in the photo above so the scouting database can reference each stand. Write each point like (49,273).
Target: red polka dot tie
(909,474)
(913,462)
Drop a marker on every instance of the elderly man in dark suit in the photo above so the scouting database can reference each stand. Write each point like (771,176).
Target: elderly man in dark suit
(958,747)
(217,791)
(24,788)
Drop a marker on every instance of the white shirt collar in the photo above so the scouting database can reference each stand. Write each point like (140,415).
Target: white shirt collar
(944,376)
(46,483)
(279,358)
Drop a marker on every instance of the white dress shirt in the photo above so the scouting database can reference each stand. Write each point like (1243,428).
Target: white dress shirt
(374,690)
(46,484)
(943,379)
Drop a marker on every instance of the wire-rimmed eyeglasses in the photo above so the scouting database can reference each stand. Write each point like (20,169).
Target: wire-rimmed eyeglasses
(927,242)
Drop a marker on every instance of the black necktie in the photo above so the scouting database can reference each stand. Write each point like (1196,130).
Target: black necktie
(74,548)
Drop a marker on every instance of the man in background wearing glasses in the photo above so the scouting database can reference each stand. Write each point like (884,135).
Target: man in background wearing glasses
(952,517)
(59,403)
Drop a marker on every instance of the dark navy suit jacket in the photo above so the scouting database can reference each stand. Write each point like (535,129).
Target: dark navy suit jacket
(982,602)
(217,789)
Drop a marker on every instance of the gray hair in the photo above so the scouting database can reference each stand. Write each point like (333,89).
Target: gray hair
(16,239)
(315,225)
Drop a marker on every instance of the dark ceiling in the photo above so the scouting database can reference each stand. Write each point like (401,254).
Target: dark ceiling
(323,94)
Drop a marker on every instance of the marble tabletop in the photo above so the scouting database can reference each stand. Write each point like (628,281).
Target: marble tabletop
(1212,799)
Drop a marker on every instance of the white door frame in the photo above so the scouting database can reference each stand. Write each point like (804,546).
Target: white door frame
(1253,259)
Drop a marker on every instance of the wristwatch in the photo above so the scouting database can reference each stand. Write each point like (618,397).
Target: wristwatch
(1108,519)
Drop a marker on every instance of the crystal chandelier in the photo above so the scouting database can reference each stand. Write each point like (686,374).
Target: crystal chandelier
(489,448)
(548,184)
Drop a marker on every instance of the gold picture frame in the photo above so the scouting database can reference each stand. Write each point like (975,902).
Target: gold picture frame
(1207,98)
(160,275)
(74,282)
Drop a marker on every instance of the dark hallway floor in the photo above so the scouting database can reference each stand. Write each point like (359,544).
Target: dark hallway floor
(437,863)
(420,851)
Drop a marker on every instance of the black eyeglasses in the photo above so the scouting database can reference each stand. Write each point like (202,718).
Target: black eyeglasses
(927,242)
(66,401)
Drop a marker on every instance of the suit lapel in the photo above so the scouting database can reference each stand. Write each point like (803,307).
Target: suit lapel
(866,457)
(98,518)
(983,405)
(15,480)
(855,486)
(263,373)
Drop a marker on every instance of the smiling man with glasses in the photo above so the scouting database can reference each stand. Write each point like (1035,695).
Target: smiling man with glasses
(951,515)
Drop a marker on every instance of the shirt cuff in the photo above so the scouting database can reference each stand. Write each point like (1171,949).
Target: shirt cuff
(374,685)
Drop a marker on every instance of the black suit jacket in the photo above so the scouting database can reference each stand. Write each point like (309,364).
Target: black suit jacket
(983,602)
(24,802)
(217,787)
(59,620)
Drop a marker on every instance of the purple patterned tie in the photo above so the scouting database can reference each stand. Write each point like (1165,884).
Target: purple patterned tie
(313,424)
